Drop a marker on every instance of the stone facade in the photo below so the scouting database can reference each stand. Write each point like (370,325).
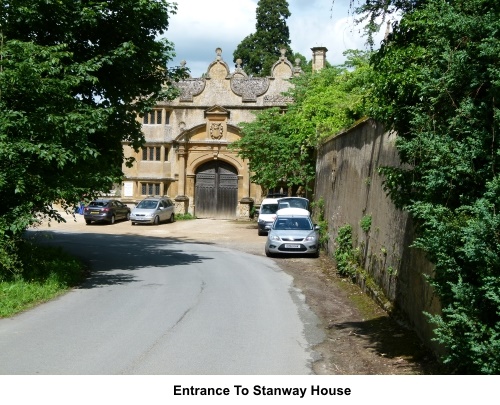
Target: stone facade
(185,134)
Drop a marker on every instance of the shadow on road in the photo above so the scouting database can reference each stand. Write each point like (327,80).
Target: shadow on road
(112,259)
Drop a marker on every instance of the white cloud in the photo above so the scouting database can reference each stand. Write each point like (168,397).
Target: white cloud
(201,26)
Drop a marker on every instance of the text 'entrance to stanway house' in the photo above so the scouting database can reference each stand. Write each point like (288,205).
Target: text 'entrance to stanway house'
(216,190)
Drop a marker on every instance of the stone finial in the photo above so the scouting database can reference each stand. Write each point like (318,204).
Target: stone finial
(283,52)
(183,63)
(218,52)
(238,63)
(297,70)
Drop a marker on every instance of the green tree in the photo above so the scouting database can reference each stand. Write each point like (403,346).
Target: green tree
(375,13)
(281,145)
(73,77)
(260,50)
(274,155)
(333,98)
(438,85)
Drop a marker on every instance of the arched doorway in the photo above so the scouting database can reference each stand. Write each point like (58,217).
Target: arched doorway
(216,190)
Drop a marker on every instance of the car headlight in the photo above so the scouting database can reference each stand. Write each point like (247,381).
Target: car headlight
(310,238)
(275,237)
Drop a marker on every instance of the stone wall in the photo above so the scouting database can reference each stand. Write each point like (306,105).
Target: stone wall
(347,180)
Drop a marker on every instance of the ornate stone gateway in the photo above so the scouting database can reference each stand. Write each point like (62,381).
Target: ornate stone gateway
(199,126)
(216,191)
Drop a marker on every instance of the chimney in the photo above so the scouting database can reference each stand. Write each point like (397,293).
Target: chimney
(319,58)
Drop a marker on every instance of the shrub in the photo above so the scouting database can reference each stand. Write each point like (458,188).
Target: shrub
(345,255)
(184,217)
(366,223)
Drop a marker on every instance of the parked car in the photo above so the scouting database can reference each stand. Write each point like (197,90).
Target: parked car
(276,195)
(105,210)
(293,202)
(267,214)
(293,233)
(153,210)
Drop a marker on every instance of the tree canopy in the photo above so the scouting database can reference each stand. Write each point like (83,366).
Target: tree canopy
(437,83)
(73,77)
(261,49)
(281,144)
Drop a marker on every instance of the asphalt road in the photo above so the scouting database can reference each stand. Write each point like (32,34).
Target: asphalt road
(163,305)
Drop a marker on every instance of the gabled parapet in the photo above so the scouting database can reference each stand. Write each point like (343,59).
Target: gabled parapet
(219,85)
(282,67)
(218,68)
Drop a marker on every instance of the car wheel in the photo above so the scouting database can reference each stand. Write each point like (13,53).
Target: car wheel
(88,221)
(156,220)
(112,220)
(171,219)
(133,223)
(268,253)
(128,216)
(261,233)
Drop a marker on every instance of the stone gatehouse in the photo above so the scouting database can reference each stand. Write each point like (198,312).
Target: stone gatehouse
(186,154)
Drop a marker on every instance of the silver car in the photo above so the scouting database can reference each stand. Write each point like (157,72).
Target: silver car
(293,233)
(153,210)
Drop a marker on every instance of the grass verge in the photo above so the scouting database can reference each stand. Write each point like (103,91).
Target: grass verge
(43,274)
(184,217)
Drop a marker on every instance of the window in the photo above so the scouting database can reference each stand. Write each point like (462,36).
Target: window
(150,188)
(151,153)
(152,118)
(155,117)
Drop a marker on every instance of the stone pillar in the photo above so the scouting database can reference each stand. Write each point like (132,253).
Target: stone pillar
(181,188)
(190,189)
(245,208)
(181,200)
(181,204)
(318,58)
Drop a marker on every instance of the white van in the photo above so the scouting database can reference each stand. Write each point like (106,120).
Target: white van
(293,202)
(267,215)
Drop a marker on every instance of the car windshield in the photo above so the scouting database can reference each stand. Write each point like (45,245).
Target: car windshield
(293,224)
(269,209)
(147,204)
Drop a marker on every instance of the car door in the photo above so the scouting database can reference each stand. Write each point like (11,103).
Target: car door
(114,209)
(120,210)
(170,208)
(163,211)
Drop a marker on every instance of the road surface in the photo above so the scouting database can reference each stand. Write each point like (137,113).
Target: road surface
(164,305)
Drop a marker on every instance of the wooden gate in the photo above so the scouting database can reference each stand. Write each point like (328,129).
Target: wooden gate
(216,194)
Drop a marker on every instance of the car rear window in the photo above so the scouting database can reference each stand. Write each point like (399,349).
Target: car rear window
(293,203)
(98,203)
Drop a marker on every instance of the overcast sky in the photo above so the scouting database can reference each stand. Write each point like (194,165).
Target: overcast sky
(201,26)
